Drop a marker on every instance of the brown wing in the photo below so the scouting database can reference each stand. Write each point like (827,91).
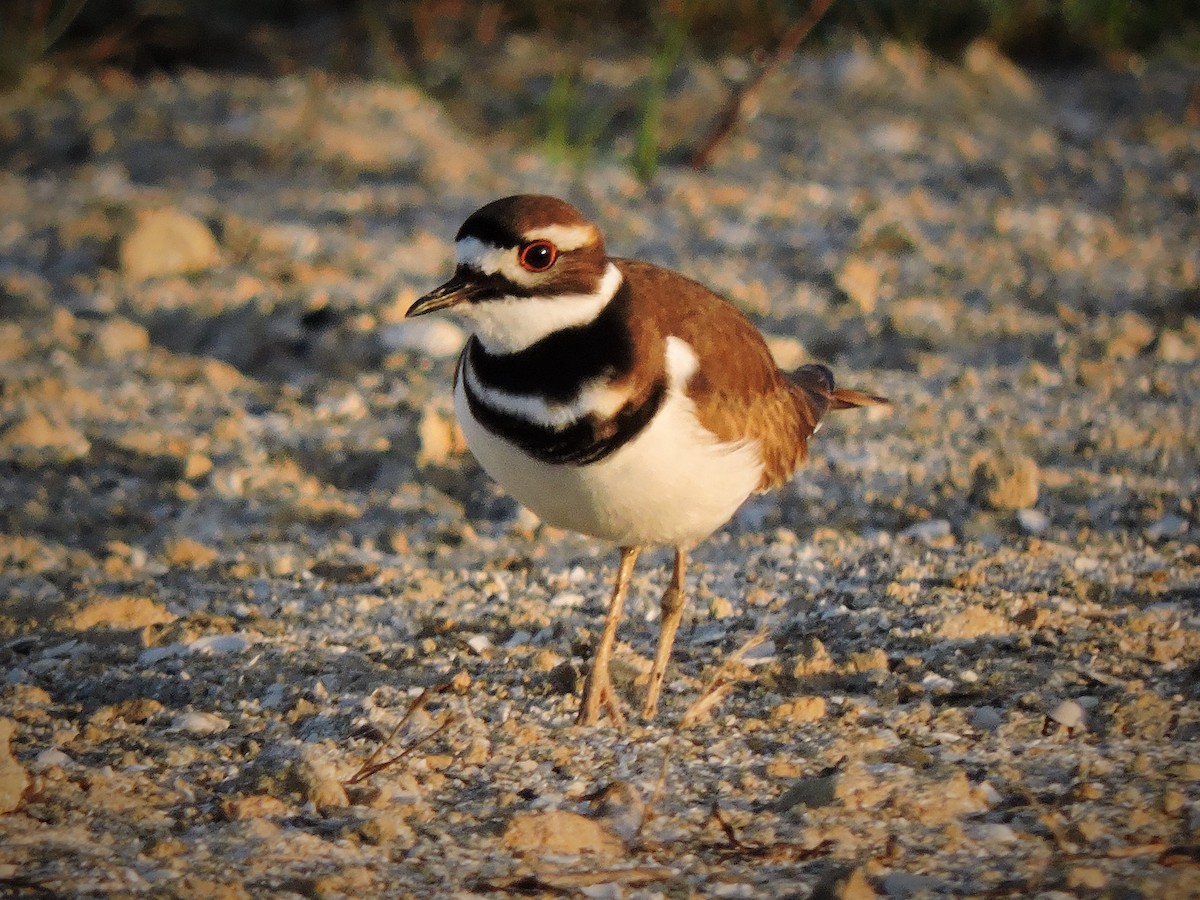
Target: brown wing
(750,399)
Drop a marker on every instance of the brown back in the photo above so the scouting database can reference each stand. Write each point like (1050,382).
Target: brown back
(752,399)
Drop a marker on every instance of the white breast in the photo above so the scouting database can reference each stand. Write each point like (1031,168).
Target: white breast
(675,483)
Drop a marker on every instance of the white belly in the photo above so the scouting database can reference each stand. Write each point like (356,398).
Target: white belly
(674,483)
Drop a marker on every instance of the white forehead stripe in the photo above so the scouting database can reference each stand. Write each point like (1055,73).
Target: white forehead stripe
(482,257)
(564,237)
(510,324)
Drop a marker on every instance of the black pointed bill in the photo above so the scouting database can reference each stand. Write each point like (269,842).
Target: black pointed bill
(464,286)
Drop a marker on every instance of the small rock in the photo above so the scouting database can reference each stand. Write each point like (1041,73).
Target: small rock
(35,436)
(873,660)
(720,608)
(1167,527)
(560,832)
(812,792)
(817,661)
(787,352)
(136,711)
(802,709)
(152,656)
(564,678)
(14,780)
(481,644)
(997,833)
(220,643)
(441,438)
(973,622)
(126,612)
(861,280)
(50,758)
(119,337)
(986,718)
(318,781)
(1070,715)
(184,552)
(1088,878)
(931,531)
(436,338)
(196,466)
(906,884)
(253,806)
(567,599)
(199,723)
(1004,481)
(386,828)
(167,242)
(1033,521)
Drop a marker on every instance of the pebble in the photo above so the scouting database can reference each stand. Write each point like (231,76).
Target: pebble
(436,338)
(35,436)
(480,643)
(1033,521)
(318,780)
(1069,714)
(561,832)
(907,884)
(929,531)
(152,656)
(118,337)
(812,792)
(986,718)
(199,723)
(167,242)
(1170,526)
(50,758)
(14,780)
(1004,481)
(997,833)
(210,644)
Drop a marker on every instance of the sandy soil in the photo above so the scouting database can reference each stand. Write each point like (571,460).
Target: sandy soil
(245,558)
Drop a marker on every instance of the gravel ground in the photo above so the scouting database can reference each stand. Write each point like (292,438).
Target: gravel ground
(266,630)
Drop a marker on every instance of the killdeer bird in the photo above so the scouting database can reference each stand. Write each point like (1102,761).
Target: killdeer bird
(617,399)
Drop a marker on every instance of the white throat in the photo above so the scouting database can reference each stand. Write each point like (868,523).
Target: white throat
(511,324)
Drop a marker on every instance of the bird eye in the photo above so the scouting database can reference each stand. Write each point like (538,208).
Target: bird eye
(538,256)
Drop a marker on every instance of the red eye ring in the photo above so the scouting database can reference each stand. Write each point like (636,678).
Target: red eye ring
(538,256)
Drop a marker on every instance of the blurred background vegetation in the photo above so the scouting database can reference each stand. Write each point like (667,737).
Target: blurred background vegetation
(406,38)
(447,48)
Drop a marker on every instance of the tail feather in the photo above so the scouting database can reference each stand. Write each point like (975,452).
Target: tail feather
(822,395)
(846,398)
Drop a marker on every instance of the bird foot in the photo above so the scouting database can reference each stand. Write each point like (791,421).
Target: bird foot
(599,693)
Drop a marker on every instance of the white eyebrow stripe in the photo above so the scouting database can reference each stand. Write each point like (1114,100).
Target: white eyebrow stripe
(564,237)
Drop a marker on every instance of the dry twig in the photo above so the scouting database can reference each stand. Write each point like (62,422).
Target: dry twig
(720,685)
(371,767)
(744,101)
